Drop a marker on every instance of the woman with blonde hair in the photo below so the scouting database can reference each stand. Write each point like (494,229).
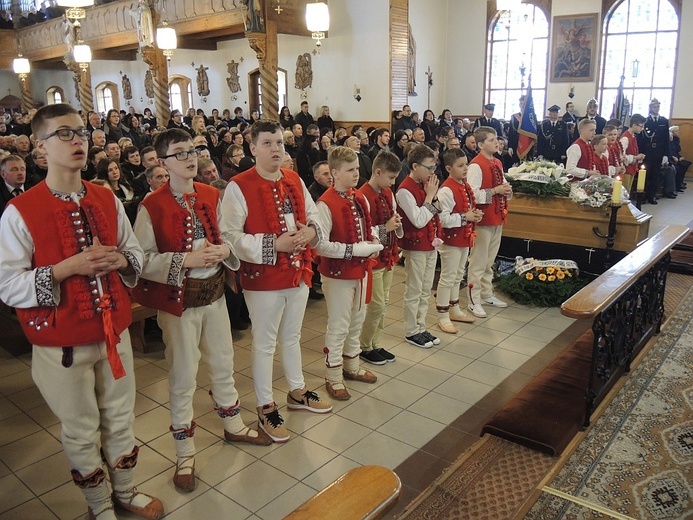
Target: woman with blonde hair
(325,121)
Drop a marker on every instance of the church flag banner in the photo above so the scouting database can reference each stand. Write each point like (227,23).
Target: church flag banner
(621,107)
(528,125)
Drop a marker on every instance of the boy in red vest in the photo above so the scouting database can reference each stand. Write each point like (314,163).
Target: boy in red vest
(580,160)
(388,227)
(491,193)
(631,154)
(345,254)
(68,254)
(274,226)
(185,242)
(458,217)
(422,235)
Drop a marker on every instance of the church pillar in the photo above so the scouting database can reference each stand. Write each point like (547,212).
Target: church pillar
(27,100)
(86,97)
(157,64)
(265,46)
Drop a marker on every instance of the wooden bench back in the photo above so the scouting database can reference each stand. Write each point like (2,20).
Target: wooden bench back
(363,493)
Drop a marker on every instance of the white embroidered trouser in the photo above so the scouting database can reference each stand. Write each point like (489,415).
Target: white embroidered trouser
(453,262)
(277,318)
(89,402)
(200,333)
(419,268)
(373,324)
(346,310)
(480,275)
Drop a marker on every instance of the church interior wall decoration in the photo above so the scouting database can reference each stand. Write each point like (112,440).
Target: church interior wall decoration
(304,73)
(574,48)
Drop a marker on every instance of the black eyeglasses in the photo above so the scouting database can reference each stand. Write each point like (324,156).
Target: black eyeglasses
(67,134)
(183,156)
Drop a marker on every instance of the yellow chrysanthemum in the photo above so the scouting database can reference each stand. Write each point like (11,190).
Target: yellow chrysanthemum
(550,270)
(560,275)
(529,276)
(569,274)
(542,277)
(551,278)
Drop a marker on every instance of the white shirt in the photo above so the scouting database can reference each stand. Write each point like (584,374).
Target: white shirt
(167,266)
(248,247)
(18,277)
(474,179)
(419,216)
(573,155)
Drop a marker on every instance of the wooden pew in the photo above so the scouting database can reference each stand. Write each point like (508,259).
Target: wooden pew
(626,307)
(139,314)
(363,493)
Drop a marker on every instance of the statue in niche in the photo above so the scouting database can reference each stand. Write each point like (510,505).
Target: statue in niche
(411,64)
(233,81)
(304,71)
(254,21)
(149,84)
(127,87)
(202,81)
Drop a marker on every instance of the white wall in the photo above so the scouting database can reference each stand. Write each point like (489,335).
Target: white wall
(683,100)
(428,21)
(466,58)
(40,81)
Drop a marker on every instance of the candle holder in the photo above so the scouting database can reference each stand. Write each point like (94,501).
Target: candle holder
(639,199)
(610,236)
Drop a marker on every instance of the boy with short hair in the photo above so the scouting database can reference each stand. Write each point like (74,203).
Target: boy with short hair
(68,255)
(274,226)
(345,256)
(422,235)
(458,217)
(388,227)
(185,241)
(491,193)
(632,157)
(580,158)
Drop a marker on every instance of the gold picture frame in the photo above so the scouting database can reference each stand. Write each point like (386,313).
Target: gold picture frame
(574,48)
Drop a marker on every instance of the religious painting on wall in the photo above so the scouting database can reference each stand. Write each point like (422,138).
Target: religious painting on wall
(574,47)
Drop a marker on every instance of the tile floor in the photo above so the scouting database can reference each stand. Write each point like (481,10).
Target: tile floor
(425,409)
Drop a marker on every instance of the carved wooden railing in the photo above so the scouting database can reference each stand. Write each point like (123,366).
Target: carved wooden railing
(112,25)
(626,306)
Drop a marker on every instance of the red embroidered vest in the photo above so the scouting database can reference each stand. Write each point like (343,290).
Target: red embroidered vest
(632,149)
(265,215)
(416,239)
(464,201)
(587,157)
(495,213)
(59,233)
(173,229)
(346,229)
(382,210)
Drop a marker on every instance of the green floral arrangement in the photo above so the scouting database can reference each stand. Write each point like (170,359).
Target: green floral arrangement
(541,283)
(541,178)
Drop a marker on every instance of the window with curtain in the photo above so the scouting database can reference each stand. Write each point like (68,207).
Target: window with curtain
(518,42)
(639,43)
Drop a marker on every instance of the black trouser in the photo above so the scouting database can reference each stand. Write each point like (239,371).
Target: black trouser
(653,165)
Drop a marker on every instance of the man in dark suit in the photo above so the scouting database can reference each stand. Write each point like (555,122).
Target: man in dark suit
(488,120)
(13,173)
(570,119)
(653,141)
(591,114)
(553,139)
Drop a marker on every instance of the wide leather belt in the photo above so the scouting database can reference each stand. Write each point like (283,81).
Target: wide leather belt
(203,291)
